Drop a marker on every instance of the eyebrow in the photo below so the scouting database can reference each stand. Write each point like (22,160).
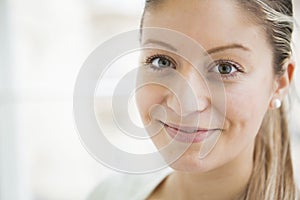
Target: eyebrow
(211,51)
(226,47)
(161,43)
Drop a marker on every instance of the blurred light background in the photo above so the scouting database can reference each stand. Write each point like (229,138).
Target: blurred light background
(43,45)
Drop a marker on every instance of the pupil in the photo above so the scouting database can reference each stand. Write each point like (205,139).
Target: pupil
(163,62)
(224,69)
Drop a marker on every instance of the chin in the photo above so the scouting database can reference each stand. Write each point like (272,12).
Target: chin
(191,163)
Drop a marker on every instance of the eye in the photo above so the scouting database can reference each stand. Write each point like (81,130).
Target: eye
(159,62)
(225,68)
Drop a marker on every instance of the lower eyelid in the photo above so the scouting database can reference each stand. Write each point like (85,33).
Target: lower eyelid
(230,62)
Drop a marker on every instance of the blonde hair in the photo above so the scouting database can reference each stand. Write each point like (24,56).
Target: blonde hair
(272,175)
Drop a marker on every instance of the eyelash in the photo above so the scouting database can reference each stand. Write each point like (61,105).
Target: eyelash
(149,61)
(232,63)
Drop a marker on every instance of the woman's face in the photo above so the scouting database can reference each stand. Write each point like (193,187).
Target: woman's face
(241,59)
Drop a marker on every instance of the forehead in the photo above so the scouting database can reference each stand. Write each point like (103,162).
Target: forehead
(209,22)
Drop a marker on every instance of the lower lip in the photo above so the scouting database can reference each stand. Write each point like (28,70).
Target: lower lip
(179,136)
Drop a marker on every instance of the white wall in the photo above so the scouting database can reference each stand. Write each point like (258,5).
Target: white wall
(50,41)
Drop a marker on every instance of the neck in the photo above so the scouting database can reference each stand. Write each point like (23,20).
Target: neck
(227,182)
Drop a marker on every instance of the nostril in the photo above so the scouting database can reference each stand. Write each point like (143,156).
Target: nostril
(184,105)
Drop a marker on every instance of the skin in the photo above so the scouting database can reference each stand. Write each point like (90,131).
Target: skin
(225,171)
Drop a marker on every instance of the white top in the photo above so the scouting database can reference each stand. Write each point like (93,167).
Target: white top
(125,186)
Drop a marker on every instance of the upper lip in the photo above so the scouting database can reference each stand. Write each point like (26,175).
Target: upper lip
(187,128)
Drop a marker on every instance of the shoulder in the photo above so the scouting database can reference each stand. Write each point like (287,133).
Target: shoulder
(127,186)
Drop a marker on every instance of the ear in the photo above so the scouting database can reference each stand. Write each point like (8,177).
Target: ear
(283,82)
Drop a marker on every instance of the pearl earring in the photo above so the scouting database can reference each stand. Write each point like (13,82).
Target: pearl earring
(276,103)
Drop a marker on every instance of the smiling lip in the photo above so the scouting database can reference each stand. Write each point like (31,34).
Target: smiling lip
(188,134)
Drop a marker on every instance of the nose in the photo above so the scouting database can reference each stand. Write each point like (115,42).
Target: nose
(190,94)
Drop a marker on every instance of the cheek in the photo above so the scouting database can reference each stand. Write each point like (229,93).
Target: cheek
(146,98)
(246,110)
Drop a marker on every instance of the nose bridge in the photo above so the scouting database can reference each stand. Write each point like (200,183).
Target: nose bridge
(191,93)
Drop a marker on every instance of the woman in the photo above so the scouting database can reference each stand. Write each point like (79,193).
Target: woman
(249,42)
